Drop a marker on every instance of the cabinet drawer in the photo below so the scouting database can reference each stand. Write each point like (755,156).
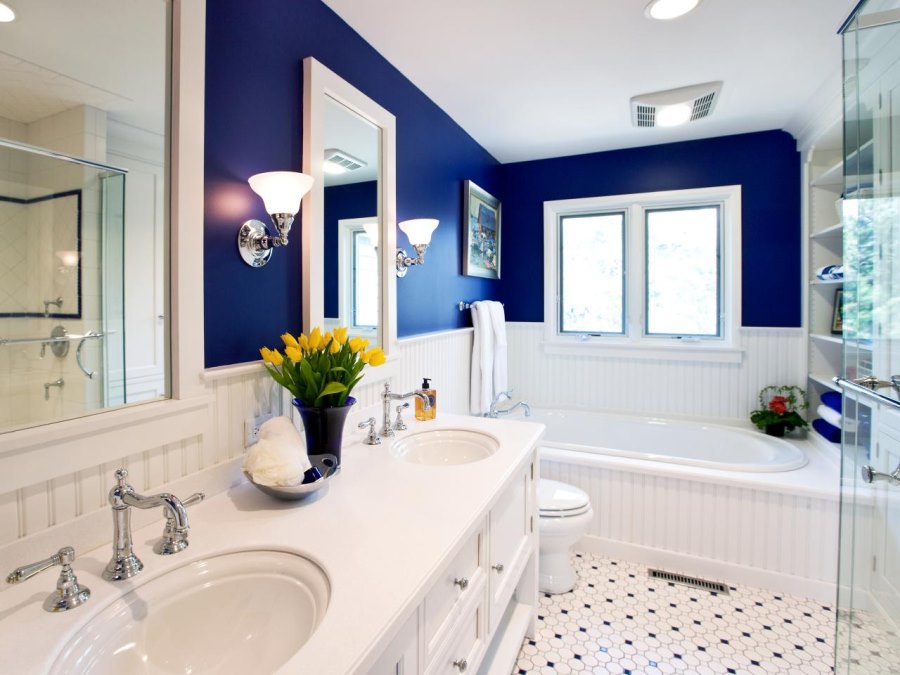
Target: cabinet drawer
(462,578)
(466,646)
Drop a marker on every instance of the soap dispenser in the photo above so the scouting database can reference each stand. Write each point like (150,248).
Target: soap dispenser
(421,413)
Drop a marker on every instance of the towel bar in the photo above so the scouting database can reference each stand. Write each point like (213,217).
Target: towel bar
(463,305)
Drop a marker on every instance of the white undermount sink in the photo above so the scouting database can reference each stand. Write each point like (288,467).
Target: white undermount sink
(244,612)
(441,447)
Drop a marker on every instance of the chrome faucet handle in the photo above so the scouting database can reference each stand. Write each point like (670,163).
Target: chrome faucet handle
(372,438)
(175,540)
(508,394)
(69,594)
(399,424)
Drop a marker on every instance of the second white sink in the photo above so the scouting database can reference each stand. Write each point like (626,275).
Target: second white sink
(245,612)
(442,447)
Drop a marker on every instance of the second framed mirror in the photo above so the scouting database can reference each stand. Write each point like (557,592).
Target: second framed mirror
(349,219)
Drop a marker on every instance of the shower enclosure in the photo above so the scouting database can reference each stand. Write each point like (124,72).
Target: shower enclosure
(61,278)
(867,314)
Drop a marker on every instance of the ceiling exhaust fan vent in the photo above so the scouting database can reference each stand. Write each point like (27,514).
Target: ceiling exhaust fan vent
(685,104)
(343,159)
(644,115)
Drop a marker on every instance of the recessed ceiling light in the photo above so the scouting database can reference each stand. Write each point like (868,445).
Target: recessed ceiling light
(6,13)
(670,9)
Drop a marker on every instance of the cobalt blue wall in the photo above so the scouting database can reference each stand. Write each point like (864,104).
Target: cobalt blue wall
(356,200)
(254,94)
(765,164)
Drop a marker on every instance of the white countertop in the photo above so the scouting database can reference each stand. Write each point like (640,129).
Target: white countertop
(382,530)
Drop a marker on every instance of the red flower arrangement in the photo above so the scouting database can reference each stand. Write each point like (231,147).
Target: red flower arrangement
(779,408)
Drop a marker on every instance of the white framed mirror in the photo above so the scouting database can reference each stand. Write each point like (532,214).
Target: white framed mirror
(348,278)
(40,453)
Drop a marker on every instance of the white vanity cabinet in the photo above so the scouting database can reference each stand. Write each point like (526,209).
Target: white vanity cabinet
(476,613)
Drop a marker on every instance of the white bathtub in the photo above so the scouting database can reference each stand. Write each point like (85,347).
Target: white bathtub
(710,446)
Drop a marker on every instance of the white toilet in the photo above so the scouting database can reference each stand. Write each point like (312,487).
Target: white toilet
(565,515)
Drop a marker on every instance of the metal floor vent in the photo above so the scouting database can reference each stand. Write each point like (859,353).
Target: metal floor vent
(693,582)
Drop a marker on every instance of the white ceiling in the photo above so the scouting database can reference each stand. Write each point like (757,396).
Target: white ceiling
(110,54)
(530,79)
(347,131)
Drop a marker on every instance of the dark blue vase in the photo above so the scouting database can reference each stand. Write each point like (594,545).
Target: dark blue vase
(324,428)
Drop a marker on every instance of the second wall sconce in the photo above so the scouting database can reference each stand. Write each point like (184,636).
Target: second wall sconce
(418,231)
(281,192)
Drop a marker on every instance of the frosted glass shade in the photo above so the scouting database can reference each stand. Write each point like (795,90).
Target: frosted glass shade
(6,13)
(281,191)
(371,229)
(418,230)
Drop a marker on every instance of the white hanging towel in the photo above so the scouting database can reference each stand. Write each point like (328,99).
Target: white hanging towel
(498,323)
(489,355)
(482,381)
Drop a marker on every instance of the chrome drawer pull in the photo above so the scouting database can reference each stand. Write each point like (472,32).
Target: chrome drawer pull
(498,567)
(462,582)
(461,665)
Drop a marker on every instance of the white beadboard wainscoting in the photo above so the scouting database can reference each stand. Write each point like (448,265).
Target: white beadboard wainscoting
(741,535)
(636,385)
(72,509)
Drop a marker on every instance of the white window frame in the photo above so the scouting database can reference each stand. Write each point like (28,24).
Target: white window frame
(719,349)
(346,229)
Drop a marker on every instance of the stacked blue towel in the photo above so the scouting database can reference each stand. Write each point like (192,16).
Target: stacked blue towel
(830,273)
(833,400)
(830,401)
(830,433)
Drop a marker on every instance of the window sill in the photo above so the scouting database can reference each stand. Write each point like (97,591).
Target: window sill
(698,352)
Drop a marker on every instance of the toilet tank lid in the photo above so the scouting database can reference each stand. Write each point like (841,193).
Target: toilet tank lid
(556,496)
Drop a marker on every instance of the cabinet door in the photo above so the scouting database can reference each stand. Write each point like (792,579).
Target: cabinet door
(461,579)
(509,544)
(401,656)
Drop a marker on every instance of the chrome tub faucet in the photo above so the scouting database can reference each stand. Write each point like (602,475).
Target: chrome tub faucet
(124,563)
(387,397)
(495,412)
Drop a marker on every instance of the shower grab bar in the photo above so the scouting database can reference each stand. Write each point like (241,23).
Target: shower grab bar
(87,336)
(90,335)
(868,386)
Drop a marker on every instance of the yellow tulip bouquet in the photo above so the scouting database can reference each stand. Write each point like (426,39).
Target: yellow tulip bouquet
(320,369)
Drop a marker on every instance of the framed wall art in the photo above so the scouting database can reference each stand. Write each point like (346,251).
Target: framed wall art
(837,315)
(481,237)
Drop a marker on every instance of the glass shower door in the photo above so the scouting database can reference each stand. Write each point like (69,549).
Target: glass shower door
(868,639)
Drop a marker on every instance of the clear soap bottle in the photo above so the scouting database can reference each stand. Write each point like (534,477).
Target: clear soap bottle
(421,413)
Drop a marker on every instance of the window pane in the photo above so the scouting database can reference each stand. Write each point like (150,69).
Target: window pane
(592,261)
(365,282)
(683,274)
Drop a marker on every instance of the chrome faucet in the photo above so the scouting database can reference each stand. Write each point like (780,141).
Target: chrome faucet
(387,397)
(124,563)
(494,412)
(69,593)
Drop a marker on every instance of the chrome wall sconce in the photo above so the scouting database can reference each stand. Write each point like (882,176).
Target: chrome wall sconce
(418,231)
(281,192)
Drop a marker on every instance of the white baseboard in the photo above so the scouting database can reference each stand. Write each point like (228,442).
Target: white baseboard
(730,573)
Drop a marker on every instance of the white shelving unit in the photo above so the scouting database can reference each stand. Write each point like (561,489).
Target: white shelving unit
(823,187)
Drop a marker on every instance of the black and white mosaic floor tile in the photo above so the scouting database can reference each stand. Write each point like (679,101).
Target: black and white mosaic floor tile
(618,620)
(868,644)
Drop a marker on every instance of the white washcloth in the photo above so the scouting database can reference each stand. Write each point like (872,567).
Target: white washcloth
(482,382)
(498,324)
(833,417)
(279,458)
